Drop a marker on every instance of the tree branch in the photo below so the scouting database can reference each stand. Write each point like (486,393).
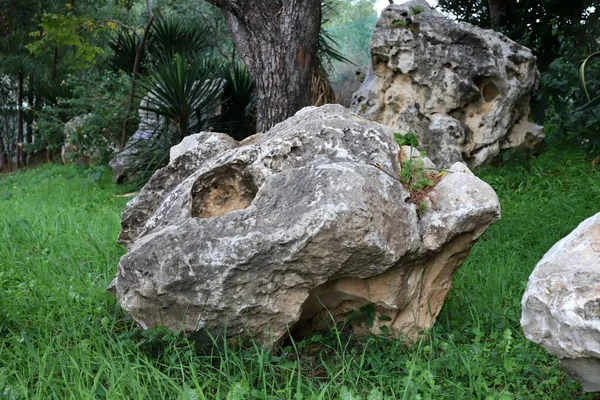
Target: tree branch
(122,25)
(136,67)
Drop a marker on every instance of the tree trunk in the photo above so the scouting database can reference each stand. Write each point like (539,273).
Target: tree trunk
(4,161)
(29,116)
(277,41)
(54,65)
(19,147)
(134,76)
(496,12)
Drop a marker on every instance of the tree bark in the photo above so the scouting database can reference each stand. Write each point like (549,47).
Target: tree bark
(496,12)
(55,65)
(29,116)
(19,147)
(277,41)
(4,161)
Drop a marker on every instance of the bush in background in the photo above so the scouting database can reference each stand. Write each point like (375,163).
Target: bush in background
(101,99)
(564,117)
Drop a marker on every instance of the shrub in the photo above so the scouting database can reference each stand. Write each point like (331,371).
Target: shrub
(101,98)
(564,116)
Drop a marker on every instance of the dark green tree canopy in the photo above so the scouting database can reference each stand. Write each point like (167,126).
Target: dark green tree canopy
(537,24)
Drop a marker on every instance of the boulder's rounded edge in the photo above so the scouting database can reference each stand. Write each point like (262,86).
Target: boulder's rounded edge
(561,305)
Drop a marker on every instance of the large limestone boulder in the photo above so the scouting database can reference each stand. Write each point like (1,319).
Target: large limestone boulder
(260,236)
(561,306)
(463,90)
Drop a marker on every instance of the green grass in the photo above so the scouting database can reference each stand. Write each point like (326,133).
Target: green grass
(63,337)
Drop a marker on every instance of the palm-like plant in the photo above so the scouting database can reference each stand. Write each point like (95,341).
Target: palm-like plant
(170,36)
(238,116)
(124,45)
(327,53)
(184,96)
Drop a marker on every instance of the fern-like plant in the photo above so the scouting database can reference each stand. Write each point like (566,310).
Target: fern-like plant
(184,96)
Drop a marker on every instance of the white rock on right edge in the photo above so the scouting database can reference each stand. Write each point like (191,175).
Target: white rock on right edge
(561,306)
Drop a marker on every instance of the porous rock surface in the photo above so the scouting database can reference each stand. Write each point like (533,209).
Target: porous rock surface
(561,306)
(463,90)
(259,236)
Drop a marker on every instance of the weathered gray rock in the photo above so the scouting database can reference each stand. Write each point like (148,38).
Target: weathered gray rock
(262,235)
(561,306)
(120,164)
(71,127)
(463,90)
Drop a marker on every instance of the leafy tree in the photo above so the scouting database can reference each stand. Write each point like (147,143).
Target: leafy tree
(17,18)
(61,31)
(39,43)
(344,12)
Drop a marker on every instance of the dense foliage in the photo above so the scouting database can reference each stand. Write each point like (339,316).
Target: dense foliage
(99,100)
(54,65)
(55,57)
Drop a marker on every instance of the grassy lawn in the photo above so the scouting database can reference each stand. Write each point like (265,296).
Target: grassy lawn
(62,336)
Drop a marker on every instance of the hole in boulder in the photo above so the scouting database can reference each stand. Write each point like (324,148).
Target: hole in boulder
(488,89)
(339,300)
(222,191)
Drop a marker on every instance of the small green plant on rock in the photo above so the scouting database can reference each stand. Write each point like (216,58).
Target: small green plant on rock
(422,207)
(413,173)
(415,176)
(409,139)
(400,23)
(416,10)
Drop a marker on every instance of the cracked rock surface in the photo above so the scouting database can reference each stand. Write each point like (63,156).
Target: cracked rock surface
(561,306)
(463,90)
(260,236)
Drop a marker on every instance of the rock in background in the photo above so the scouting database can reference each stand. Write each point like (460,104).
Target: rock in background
(463,90)
(73,125)
(260,236)
(561,306)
